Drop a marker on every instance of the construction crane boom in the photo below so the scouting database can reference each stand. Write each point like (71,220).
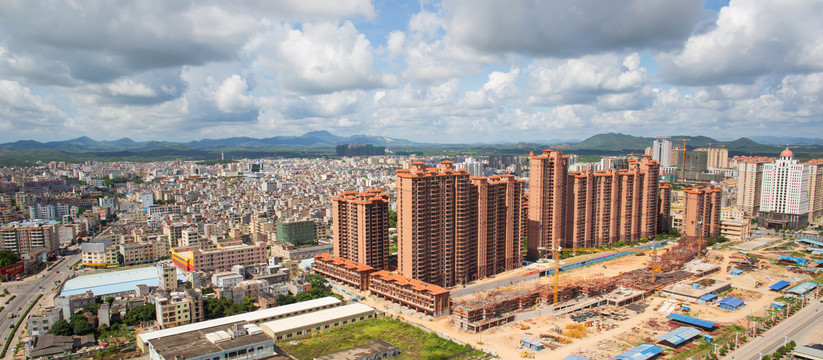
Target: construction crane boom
(683,164)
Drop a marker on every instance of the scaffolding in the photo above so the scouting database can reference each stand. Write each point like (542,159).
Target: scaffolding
(481,311)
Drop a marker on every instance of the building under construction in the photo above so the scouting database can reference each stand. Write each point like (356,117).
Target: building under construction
(480,312)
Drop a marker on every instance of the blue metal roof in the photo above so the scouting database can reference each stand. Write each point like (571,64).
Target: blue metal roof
(114,282)
(780,285)
(733,302)
(809,241)
(532,343)
(574,357)
(680,335)
(799,261)
(803,288)
(818,262)
(708,297)
(690,320)
(642,352)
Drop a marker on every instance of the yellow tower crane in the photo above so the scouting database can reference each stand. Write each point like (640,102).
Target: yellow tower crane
(683,163)
(556,255)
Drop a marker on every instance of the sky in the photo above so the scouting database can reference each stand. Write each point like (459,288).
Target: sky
(431,71)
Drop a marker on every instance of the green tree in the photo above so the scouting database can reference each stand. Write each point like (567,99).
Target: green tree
(82,327)
(285,299)
(392,219)
(61,327)
(248,304)
(7,258)
(110,300)
(139,314)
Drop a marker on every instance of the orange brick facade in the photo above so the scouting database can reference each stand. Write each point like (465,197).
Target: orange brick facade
(343,270)
(415,294)
(500,231)
(701,204)
(664,218)
(436,217)
(360,226)
(590,209)
(548,174)
(423,297)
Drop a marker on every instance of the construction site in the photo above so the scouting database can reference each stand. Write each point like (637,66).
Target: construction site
(600,305)
(483,311)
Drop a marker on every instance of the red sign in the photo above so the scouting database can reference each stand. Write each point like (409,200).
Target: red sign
(13,269)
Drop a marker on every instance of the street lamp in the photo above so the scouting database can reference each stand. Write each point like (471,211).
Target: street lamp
(785,340)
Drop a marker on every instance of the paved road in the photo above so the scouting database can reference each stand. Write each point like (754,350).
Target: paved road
(26,291)
(773,338)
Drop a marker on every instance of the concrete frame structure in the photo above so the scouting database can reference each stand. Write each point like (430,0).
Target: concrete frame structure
(701,212)
(360,227)
(716,157)
(436,217)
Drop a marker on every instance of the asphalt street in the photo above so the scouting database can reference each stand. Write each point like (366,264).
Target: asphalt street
(788,330)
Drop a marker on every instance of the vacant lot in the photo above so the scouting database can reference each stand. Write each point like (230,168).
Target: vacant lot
(413,342)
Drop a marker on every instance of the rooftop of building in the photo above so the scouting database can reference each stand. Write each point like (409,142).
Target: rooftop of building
(338,261)
(114,282)
(317,317)
(200,341)
(414,284)
(28,224)
(245,317)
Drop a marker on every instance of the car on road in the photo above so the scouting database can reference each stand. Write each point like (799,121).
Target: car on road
(11,326)
(58,271)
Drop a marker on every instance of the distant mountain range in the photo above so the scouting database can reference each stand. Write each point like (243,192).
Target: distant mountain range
(613,142)
(322,143)
(310,139)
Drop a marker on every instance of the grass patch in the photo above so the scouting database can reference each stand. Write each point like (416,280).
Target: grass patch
(413,342)
(725,333)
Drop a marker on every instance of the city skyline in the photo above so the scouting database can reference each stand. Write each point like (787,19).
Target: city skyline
(443,71)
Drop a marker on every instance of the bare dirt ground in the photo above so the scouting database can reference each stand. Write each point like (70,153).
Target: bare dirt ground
(617,333)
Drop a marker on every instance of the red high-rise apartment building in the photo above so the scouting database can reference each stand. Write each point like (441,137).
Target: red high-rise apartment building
(500,214)
(589,209)
(436,221)
(548,174)
(664,217)
(360,226)
(701,212)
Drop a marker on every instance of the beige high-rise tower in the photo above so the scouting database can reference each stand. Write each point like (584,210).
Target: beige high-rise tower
(749,183)
(815,189)
(360,227)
